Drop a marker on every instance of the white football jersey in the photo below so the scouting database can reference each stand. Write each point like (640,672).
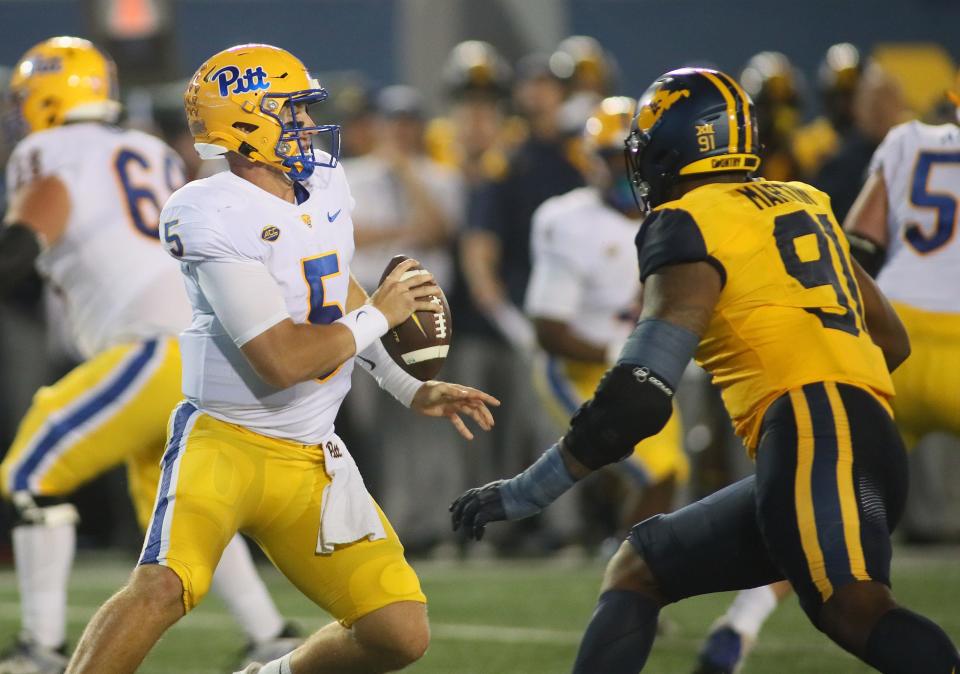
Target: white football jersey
(585,268)
(921,169)
(307,248)
(109,267)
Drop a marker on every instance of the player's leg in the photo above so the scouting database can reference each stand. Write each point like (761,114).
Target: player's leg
(236,580)
(76,429)
(831,475)
(204,493)
(709,546)
(734,633)
(367,586)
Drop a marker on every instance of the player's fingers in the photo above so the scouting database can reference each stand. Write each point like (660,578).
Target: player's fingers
(477,415)
(418,278)
(425,291)
(399,271)
(477,394)
(426,305)
(459,425)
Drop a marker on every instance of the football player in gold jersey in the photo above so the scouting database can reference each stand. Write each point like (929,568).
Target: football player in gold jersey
(755,280)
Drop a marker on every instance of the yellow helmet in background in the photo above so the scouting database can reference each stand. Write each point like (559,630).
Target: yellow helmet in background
(235,103)
(64,79)
(608,127)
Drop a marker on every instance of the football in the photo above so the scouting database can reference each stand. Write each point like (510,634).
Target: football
(420,344)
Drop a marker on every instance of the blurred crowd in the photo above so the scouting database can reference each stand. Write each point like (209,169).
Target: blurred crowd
(457,190)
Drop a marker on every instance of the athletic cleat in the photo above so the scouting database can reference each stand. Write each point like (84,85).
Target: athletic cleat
(723,652)
(287,640)
(26,657)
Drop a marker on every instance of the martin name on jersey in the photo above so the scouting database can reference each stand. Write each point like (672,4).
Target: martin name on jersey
(107,265)
(307,248)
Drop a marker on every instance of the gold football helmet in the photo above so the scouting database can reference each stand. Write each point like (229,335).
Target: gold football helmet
(245,99)
(609,125)
(64,79)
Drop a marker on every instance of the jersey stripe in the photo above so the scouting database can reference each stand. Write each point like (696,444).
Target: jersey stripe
(848,500)
(803,496)
(732,122)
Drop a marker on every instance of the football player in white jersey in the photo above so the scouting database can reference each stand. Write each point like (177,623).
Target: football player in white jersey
(584,295)
(902,230)
(85,203)
(265,250)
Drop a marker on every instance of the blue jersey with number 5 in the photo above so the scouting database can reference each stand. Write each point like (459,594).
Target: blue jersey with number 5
(920,165)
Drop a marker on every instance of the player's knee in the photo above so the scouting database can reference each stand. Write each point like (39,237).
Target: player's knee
(399,636)
(627,570)
(853,610)
(158,588)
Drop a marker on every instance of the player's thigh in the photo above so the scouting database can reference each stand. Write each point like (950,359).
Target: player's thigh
(927,384)
(110,408)
(712,545)
(659,457)
(351,582)
(831,484)
(210,481)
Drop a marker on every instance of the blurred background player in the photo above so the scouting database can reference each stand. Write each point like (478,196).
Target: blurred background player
(837,78)
(774,84)
(589,72)
(85,198)
(583,299)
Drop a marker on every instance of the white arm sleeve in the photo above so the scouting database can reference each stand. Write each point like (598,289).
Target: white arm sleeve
(391,377)
(244,296)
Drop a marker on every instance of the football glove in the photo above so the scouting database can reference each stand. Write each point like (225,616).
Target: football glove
(478,507)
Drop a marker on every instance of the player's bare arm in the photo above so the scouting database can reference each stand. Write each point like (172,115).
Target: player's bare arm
(557,338)
(883,324)
(633,401)
(36,218)
(288,353)
(866,224)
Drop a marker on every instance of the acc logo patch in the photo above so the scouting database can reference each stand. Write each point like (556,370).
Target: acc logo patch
(270,233)
(250,80)
(658,104)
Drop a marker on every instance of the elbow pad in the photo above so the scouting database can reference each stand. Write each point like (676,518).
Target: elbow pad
(19,248)
(631,403)
(870,255)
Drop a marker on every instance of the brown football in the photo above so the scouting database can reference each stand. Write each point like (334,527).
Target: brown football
(420,344)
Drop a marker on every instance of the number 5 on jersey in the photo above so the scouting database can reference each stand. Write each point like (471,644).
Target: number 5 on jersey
(316,271)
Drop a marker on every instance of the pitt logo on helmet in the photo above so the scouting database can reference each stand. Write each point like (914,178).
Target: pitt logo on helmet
(251,80)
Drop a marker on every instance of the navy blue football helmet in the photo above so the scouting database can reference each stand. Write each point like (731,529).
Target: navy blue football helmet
(690,122)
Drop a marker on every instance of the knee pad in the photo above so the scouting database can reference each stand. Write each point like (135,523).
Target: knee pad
(47,511)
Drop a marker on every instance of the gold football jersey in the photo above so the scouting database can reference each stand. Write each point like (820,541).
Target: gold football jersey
(790,312)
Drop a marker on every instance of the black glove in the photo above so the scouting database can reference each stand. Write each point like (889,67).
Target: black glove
(477,507)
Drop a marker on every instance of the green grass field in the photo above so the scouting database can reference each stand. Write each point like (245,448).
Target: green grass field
(512,618)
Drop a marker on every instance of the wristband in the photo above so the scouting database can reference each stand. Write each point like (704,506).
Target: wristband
(389,376)
(368,324)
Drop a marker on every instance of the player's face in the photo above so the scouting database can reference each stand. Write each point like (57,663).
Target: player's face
(610,177)
(303,118)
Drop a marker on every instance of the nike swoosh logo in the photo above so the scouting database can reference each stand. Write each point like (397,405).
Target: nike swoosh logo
(331,218)
(373,366)
(417,322)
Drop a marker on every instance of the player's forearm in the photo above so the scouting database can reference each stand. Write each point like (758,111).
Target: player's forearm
(885,327)
(555,337)
(290,353)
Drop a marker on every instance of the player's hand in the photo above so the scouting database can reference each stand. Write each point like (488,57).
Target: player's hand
(397,299)
(440,399)
(477,508)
